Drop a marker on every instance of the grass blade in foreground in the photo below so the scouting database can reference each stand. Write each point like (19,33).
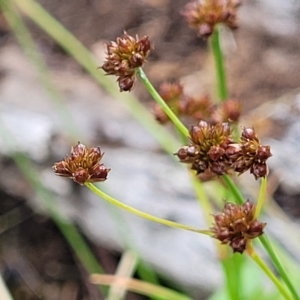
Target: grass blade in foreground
(140,287)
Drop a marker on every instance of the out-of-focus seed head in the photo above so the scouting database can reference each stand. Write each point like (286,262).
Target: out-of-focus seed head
(199,108)
(83,165)
(204,15)
(171,93)
(227,111)
(236,225)
(124,57)
(184,106)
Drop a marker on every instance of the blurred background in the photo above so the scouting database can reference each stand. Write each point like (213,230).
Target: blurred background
(45,109)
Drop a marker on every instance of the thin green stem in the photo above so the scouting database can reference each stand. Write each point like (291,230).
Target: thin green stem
(261,196)
(137,212)
(270,274)
(152,91)
(219,62)
(279,266)
(235,191)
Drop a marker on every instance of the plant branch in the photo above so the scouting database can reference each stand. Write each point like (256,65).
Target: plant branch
(144,215)
(152,91)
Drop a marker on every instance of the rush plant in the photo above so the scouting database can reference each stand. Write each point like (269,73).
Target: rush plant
(213,148)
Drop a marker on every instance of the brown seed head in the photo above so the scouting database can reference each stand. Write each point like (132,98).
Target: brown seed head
(236,224)
(249,154)
(83,165)
(208,148)
(123,58)
(205,14)
(181,104)
(227,111)
(171,93)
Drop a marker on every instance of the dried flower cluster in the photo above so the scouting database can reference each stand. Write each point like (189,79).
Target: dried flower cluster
(249,154)
(236,225)
(213,149)
(83,165)
(205,14)
(124,57)
(197,108)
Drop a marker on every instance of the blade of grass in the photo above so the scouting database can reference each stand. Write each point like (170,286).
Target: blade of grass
(140,287)
(268,247)
(126,267)
(269,273)
(232,267)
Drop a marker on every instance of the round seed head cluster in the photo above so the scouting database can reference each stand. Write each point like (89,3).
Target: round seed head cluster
(236,225)
(123,58)
(204,15)
(213,149)
(83,165)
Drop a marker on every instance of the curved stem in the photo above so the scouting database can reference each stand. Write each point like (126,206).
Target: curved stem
(261,196)
(137,212)
(161,102)
(235,191)
(219,61)
(269,273)
(279,266)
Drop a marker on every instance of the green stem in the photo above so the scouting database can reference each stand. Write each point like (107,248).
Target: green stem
(137,212)
(219,62)
(261,196)
(235,191)
(162,103)
(279,266)
(270,274)
(232,271)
